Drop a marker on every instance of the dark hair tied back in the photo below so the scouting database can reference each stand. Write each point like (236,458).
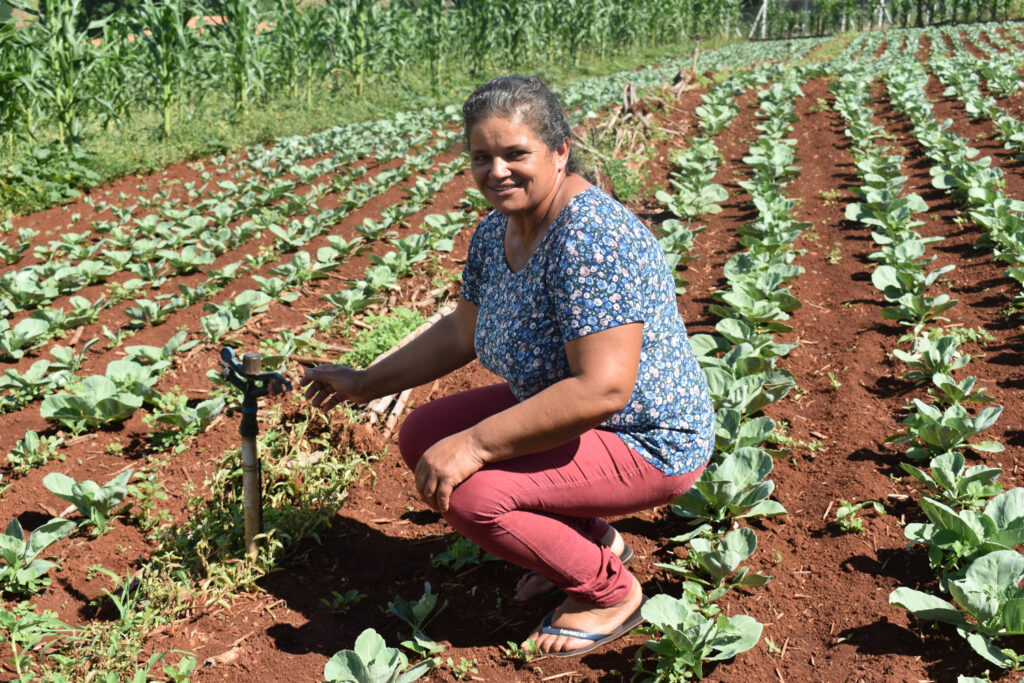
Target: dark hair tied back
(526,98)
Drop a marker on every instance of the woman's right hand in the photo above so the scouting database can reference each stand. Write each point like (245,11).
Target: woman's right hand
(329,384)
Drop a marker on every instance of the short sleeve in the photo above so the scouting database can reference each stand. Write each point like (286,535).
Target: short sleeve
(472,272)
(599,281)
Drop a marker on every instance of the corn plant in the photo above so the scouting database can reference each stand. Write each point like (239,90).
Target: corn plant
(242,47)
(68,62)
(171,51)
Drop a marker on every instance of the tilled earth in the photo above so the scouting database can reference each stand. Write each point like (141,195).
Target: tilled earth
(826,611)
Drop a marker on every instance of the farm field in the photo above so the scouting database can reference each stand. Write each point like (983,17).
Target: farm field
(815,282)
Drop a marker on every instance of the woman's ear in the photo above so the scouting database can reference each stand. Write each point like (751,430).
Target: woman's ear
(562,154)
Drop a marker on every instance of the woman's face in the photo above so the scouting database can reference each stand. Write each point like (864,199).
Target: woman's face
(512,167)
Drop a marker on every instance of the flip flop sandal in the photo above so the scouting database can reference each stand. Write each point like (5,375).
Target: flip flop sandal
(597,639)
(626,557)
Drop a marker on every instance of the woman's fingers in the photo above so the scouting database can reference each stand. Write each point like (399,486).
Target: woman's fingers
(426,484)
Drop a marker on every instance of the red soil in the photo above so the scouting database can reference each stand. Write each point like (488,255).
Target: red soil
(826,611)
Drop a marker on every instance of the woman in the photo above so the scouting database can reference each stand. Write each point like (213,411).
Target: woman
(566,295)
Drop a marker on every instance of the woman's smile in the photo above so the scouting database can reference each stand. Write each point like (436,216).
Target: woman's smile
(515,170)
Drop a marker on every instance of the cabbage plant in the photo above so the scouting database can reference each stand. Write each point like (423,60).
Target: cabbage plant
(989,605)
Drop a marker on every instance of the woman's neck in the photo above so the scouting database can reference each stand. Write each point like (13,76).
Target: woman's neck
(524,231)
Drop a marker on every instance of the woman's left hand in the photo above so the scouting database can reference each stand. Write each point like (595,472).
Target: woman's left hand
(444,466)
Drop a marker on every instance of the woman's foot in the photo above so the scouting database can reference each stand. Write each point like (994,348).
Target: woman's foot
(580,616)
(532,585)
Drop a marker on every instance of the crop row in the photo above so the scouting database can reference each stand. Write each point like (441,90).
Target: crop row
(971,551)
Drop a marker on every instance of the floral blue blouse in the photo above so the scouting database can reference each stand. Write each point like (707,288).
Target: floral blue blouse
(596,267)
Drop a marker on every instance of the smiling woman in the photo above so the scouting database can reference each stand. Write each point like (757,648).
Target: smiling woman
(604,410)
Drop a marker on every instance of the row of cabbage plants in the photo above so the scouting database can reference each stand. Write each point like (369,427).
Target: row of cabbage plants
(740,361)
(970,549)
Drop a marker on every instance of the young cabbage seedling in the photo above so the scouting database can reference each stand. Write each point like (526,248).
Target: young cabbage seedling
(23,571)
(96,503)
(846,514)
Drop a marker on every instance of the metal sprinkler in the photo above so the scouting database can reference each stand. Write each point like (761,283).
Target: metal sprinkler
(248,377)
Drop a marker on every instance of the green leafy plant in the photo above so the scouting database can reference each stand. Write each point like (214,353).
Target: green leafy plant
(948,391)
(373,662)
(95,502)
(460,553)
(989,605)
(714,558)
(952,484)
(94,401)
(846,514)
(689,637)
(734,489)
(417,614)
(23,571)
(955,538)
(191,420)
(932,356)
(15,341)
(933,431)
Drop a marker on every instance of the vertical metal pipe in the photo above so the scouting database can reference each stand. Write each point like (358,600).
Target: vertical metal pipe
(252,493)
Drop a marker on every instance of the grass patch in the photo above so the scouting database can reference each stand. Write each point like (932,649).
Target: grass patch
(384,332)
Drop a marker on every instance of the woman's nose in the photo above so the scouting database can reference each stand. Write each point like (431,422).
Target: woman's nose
(499,169)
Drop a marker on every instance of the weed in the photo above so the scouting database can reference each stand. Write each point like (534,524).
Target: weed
(464,669)
(524,654)
(830,197)
(820,105)
(460,553)
(963,335)
(835,254)
(385,331)
(34,451)
(780,436)
(340,603)
(846,514)
(627,183)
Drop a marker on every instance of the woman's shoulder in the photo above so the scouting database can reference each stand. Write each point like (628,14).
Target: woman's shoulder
(595,214)
(489,228)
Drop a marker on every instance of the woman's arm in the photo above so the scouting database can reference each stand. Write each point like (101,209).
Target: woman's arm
(444,346)
(603,368)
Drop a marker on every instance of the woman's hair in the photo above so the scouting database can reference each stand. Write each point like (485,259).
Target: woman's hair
(525,98)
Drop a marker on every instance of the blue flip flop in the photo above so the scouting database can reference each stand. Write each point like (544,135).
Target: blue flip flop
(626,557)
(598,639)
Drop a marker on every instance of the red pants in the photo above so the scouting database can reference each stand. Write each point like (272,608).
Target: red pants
(543,511)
